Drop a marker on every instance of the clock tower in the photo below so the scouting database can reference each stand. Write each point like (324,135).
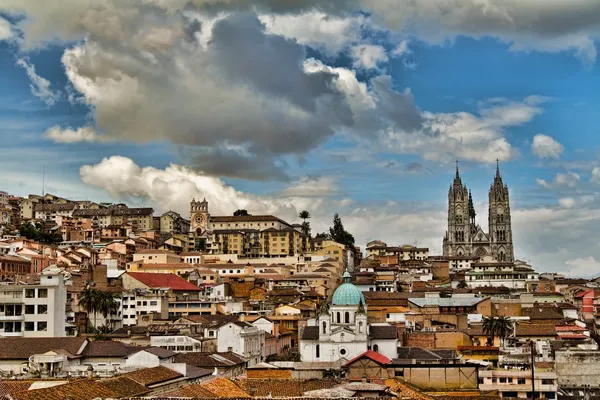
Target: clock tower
(199,216)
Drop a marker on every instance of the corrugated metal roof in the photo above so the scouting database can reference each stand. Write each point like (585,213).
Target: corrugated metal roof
(446,301)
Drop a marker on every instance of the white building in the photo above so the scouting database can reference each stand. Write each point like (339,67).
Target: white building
(242,338)
(513,275)
(35,310)
(342,331)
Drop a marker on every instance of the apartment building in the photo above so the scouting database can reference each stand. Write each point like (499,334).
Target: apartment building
(35,310)
(51,212)
(513,275)
(172,222)
(254,243)
(242,338)
(141,219)
(12,266)
(157,256)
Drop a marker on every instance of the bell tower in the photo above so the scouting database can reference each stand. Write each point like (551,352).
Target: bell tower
(499,219)
(199,216)
(461,214)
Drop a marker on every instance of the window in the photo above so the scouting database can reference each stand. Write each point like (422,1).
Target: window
(502,380)
(29,326)
(399,373)
(42,309)
(339,318)
(510,394)
(547,382)
(42,326)
(521,381)
(347,317)
(360,327)
(343,352)
(29,309)
(324,327)
(30,293)
(42,293)
(318,351)
(375,348)
(153,303)
(494,380)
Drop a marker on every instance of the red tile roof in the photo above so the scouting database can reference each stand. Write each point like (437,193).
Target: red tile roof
(572,336)
(378,358)
(572,328)
(156,280)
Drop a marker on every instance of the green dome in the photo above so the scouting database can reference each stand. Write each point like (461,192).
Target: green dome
(347,294)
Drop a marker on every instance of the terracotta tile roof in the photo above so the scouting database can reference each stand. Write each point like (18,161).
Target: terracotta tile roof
(541,312)
(23,348)
(284,388)
(570,328)
(535,330)
(378,358)
(152,376)
(310,333)
(210,360)
(108,348)
(191,391)
(159,352)
(11,389)
(155,251)
(383,332)
(222,387)
(572,336)
(419,353)
(84,389)
(157,280)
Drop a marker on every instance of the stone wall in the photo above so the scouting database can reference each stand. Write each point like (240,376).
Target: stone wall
(578,368)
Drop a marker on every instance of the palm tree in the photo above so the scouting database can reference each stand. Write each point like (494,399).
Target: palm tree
(498,326)
(107,304)
(88,300)
(462,285)
(304,215)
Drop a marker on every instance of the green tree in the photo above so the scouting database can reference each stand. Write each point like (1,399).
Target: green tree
(462,285)
(497,327)
(240,213)
(305,224)
(322,235)
(88,301)
(339,234)
(107,304)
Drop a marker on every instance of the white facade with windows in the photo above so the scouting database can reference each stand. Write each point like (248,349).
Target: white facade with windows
(342,331)
(35,310)
(242,338)
(140,303)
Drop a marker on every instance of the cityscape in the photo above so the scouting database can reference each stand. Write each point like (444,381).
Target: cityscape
(233,199)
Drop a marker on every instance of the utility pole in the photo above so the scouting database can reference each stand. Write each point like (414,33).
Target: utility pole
(531,345)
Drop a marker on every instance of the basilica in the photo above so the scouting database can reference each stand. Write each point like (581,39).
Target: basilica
(464,237)
(341,330)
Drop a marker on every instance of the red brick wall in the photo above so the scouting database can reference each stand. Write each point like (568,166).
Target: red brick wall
(420,339)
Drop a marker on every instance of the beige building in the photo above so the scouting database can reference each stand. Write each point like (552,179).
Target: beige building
(141,219)
(157,257)
(172,222)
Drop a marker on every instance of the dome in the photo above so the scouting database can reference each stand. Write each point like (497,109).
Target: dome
(347,294)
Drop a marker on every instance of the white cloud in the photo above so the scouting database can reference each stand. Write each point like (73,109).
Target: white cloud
(311,187)
(368,56)
(402,49)
(544,146)
(316,29)
(466,136)
(567,202)
(595,178)
(582,267)
(551,26)
(561,180)
(40,87)
(6,31)
(70,135)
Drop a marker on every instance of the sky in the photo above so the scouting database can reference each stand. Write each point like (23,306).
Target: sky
(356,107)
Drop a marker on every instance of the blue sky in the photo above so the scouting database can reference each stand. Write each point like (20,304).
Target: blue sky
(294,112)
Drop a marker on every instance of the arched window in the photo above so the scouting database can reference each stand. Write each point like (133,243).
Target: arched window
(347,317)
(360,327)
(324,327)
(339,317)
(375,348)
(318,351)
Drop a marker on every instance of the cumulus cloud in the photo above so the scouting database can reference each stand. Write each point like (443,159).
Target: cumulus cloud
(525,25)
(311,186)
(6,31)
(544,146)
(595,176)
(467,136)
(567,202)
(329,33)
(70,135)
(368,56)
(40,87)
(561,180)
(583,267)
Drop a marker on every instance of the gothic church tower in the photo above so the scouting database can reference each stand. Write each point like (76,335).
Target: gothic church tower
(461,219)
(499,220)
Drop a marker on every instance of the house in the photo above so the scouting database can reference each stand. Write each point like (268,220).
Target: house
(242,338)
(149,357)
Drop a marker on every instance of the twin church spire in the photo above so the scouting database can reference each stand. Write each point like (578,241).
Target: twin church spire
(465,238)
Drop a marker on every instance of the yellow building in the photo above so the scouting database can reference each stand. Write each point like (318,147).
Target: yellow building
(152,256)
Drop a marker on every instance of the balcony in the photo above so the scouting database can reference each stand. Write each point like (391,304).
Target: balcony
(11,318)
(12,334)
